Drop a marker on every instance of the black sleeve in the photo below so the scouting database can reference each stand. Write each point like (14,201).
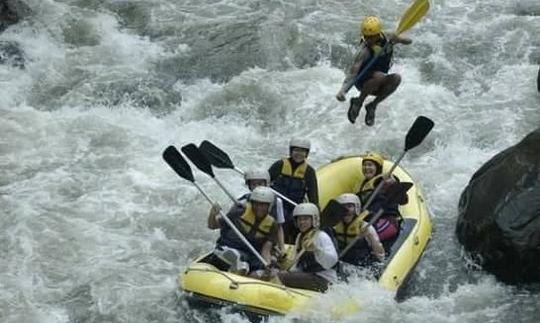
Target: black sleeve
(312,188)
(275,170)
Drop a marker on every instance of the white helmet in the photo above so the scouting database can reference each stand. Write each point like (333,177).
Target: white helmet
(262,194)
(300,143)
(350,198)
(255,174)
(307,209)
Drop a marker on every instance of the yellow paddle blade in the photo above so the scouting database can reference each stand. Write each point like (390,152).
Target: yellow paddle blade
(414,13)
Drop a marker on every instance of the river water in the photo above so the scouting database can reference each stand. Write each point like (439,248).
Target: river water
(95,227)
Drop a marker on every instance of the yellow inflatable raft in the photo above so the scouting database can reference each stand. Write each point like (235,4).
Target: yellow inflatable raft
(203,282)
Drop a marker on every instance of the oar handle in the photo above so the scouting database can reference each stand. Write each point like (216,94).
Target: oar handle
(297,258)
(293,203)
(238,170)
(225,190)
(233,227)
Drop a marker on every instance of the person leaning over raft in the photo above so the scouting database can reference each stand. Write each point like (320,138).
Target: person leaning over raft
(255,224)
(315,269)
(376,80)
(365,251)
(294,178)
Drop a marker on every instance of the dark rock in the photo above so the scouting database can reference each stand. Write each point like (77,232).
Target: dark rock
(11,11)
(528,8)
(11,54)
(499,213)
(538,80)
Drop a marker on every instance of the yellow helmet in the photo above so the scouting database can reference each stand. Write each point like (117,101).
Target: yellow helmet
(370,26)
(374,157)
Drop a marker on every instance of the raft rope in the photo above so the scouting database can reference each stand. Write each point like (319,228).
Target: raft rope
(260,282)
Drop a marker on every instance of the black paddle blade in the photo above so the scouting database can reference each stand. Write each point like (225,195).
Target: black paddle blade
(172,157)
(396,192)
(418,131)
(198,158)
(215,156)
(332,214)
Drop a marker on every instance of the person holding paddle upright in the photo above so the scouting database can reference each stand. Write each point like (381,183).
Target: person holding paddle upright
(388,225)
(372,78)
(294,178)
(365,251)
(369,70)
(255,224)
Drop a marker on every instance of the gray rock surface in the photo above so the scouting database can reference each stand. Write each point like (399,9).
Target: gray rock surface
(499,213)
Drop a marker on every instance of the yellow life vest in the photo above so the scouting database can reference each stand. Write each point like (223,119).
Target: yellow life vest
(299,172)
(304,238)
(367,187)
(247,225)
(345,233)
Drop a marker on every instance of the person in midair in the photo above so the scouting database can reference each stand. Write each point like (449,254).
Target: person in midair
(372,80)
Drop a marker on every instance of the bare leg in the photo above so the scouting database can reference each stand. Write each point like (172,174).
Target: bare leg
(389,84)
(370,86)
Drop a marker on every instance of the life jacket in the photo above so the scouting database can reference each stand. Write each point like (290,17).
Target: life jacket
(307,262)
(384,61)
(345,233)
(256,233)
(367,187)
(291,184)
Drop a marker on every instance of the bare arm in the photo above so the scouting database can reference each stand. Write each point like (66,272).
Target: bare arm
(359,59)
(266,251)
(396,39)
(373,241)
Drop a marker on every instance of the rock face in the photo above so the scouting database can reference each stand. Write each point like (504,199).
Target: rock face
(11,11)
(499,213)
(538,80)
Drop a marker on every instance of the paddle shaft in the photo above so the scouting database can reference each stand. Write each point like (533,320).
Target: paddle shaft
(362,232)
(178,163)
(283,197)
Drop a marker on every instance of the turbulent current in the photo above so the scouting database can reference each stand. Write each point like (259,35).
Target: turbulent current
(95,227)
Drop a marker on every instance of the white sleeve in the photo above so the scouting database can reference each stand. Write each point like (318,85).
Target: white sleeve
(279,211)
(325,252)
(371,235)
(374,242)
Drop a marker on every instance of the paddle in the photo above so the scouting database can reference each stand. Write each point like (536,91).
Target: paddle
(414,13)
(416,134)
(220,159)
(393,195)
(200,161)
(175,160)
